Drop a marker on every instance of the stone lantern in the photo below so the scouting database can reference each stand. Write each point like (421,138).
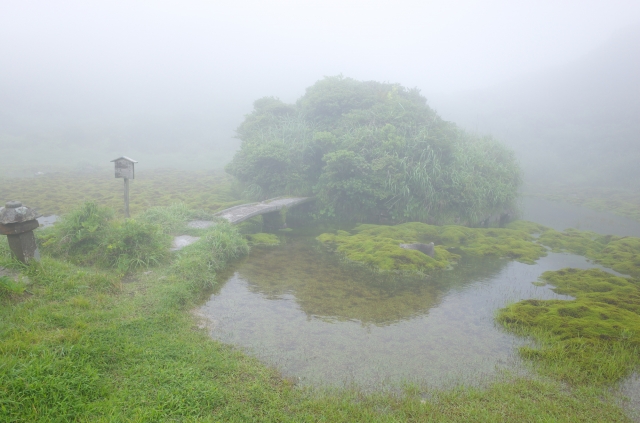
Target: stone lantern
(17,222)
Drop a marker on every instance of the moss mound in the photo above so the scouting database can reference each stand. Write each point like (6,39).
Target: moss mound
(592,339)
(378,246)
(621,254)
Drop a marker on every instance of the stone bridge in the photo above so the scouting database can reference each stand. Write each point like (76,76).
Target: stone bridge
(269,209)
(243,212)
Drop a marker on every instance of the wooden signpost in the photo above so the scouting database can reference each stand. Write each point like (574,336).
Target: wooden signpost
(124,169)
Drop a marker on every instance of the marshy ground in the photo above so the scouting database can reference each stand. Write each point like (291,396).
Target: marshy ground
(86,337)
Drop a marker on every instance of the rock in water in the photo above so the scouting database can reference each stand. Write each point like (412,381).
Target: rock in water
(423,248)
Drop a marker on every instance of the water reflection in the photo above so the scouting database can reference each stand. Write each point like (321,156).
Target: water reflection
(297,308)
(325,288)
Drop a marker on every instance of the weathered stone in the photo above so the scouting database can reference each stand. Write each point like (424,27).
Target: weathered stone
(17,222)
(427,249)
(243,212)
(18,228)
(182,241)
(15,212)
(23,246)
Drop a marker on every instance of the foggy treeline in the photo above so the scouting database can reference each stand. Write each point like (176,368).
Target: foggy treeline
(577,122)
(168,85)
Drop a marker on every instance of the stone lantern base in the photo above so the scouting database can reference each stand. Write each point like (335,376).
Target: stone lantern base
(22,241)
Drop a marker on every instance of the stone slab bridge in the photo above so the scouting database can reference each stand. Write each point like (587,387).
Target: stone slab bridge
(270,209)
(243,212)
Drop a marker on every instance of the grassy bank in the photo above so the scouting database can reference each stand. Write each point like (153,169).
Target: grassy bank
(84,345)
(88,341)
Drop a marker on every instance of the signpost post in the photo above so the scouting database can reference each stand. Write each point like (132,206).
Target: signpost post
(124,169)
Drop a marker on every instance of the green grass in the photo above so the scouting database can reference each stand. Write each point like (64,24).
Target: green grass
(80,344)
(87,347)
(89,235)
(60,192)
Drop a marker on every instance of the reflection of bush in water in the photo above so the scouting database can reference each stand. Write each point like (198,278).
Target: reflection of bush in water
(262,239)
(327,288)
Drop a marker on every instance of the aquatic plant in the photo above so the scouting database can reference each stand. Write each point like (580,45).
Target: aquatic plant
(593,339)
(374,151)
(262,239)
(378,246)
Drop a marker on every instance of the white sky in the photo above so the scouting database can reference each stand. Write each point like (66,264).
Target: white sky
(96,58)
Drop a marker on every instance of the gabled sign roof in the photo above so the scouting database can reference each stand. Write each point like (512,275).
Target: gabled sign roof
(125,158)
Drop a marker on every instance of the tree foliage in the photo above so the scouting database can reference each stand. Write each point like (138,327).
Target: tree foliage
(372,151)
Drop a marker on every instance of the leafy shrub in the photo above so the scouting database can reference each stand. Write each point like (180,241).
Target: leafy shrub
(373,151)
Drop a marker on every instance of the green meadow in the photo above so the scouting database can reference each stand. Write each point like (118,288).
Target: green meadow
(103,329)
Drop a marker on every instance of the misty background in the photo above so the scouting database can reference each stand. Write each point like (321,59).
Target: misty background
(167,83)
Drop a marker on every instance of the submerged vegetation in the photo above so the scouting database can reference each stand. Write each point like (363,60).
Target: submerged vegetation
(378,246)
(263,239)
(373,152)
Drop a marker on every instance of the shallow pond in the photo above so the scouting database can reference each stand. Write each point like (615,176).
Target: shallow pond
(323,322)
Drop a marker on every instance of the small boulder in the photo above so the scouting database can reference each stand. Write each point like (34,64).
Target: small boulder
(423,248)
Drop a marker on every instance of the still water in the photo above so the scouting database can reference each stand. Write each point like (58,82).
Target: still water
(322,322)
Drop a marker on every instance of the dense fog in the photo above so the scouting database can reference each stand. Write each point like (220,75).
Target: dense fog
(169,82)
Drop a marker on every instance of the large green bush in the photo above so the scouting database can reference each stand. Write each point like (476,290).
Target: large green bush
(373,151)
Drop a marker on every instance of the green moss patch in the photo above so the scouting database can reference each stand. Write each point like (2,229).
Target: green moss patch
(594,338)
(263,239)
(621,254)
(378,246)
